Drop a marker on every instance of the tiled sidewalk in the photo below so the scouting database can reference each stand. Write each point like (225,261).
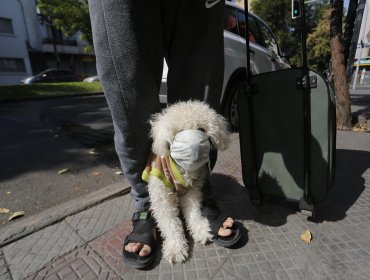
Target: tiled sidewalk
(88,245)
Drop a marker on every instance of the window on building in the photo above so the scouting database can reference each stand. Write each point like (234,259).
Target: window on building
(6,26)
(8,64)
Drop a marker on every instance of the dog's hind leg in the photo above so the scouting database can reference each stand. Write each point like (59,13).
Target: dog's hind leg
(164,205)
(198,225)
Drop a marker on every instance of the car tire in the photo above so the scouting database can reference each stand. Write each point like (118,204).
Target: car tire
(231,106)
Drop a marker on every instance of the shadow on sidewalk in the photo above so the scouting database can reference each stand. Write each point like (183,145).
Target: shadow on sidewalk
(362,101)
(348,186)
(233,198)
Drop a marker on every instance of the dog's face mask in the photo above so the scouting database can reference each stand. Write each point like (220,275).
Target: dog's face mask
(190,149)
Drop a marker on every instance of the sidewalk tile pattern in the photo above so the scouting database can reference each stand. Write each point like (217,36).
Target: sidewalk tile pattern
(201,265)
(81,264)
(4,274)
(109,246)
(33,252)
(228,162)
(270,249)
(97,220)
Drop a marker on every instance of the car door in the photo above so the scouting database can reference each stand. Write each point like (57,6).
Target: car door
(47,77)
(260,57)
(272,51)
(235,43)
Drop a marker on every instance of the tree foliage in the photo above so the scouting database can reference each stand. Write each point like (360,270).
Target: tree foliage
(318,43)
(277,14)
(70,16)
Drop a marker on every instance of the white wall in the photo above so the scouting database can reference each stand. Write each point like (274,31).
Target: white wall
(13,45)
(32,23)
(364,33)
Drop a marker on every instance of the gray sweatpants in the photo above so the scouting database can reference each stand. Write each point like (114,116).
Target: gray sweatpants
(131,38)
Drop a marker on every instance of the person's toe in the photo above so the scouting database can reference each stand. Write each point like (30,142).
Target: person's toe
(133,247)
(224,232)
(228,223)
(225,228)
(145,251)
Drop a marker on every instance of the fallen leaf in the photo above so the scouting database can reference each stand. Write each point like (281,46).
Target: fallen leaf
(8,192)
(119,172)
(63,171)
(16,215)
(92,152)
(306,236)
(4,210)
(96,173)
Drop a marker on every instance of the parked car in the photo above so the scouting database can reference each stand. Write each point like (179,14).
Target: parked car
(265,57)
(52,76)
(91,79)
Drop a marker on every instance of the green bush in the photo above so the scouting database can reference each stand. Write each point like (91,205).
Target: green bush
(19,92)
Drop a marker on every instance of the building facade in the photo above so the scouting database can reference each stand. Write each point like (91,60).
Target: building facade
(361,71)
(26,45)
(14,59)
(363,49)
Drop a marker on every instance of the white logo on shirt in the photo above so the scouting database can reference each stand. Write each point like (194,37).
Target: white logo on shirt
(211,3)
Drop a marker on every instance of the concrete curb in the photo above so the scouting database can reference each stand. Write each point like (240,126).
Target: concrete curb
(52,97)
(34,223)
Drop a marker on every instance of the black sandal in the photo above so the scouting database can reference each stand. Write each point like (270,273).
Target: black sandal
(216,220)
(143,232)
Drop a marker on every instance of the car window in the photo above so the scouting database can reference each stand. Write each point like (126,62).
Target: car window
(230,21)
(61,73)
(253,31)
(64,72)
(268,39)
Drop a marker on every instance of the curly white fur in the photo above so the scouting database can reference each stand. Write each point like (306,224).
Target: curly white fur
(166,204)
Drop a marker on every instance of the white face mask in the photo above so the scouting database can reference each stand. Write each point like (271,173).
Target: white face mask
(190,149)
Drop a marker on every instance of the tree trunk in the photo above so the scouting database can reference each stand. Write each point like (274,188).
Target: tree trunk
(343,105)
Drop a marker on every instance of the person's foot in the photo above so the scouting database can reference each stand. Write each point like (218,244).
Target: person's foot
(139,246)
(141,249)
(144,250)
(225,229)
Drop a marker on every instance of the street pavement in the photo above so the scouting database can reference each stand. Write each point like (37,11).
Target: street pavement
(39,138)
(85,241)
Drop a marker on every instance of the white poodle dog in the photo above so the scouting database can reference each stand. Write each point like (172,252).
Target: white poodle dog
(183,135)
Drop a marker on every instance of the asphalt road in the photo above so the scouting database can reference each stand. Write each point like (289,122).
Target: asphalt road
(40,138)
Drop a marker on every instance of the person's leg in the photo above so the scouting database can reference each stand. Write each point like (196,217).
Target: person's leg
(129,52)
(194,50)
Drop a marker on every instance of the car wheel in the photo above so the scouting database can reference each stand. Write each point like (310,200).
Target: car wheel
(231,108)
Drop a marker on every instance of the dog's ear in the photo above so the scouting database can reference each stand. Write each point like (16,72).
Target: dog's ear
(218,131)
(160,134)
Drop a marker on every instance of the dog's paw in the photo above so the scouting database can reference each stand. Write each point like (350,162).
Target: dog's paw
(202,237)
(175,253)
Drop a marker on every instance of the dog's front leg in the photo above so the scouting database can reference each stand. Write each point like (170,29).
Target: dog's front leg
(166,212)
(197,224)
